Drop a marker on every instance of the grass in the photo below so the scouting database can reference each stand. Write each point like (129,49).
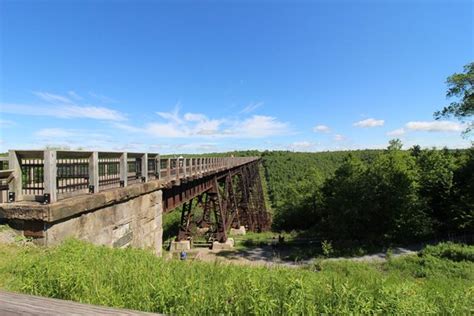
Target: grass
(136,279)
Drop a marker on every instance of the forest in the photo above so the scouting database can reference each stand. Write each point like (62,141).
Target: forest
(374,196)
(369,197)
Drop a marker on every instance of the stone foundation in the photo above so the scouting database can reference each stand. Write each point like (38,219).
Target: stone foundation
(182,245)
(238,231)
(228,245)
(120,218)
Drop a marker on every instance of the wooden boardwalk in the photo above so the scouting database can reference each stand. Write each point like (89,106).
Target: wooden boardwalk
(21,304)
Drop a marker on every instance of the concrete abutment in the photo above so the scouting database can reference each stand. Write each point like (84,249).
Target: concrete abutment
(118,218)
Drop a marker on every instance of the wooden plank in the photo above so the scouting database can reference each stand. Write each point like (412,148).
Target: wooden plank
(21,304)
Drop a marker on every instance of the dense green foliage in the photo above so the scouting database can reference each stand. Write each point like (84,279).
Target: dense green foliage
(370,196)
(136,279)
(461,86)
(376,196)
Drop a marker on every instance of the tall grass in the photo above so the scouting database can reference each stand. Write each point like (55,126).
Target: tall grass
(136,279)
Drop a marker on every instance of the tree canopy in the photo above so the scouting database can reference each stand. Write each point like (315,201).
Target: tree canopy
(460,86)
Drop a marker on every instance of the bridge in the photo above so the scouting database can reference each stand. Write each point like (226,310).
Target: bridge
(118,198)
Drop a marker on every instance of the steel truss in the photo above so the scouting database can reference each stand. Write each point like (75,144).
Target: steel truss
(230,199)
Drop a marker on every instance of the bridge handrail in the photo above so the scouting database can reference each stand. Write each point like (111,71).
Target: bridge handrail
(50,175)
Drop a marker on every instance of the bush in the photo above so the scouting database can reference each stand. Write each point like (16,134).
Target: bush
(451,251)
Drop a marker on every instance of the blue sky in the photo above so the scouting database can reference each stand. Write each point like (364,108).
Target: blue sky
(207,76)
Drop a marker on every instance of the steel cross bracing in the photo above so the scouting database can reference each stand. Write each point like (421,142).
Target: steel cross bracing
(226,200)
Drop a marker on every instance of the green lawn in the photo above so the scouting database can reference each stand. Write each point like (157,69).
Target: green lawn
(439,280)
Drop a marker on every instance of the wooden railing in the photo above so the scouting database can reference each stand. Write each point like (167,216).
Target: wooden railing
(50,175)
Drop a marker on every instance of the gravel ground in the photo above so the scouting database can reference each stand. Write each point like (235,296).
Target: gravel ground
(268,256)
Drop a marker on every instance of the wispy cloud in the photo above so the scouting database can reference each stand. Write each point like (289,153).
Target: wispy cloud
(55,133)
(302,146)
(74,95)
(321,129)
(435,126)
(73,138)
(397,132)
(52,98)
(62,107)
(252,106)
(428,126)
(102,98)
(259,126)
(6,123)
(175,125)
(370,122)
(339,138)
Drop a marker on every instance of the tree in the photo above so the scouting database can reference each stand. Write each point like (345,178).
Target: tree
(345,208)
(415,151)
(436,185)
(461,86)
(395,144)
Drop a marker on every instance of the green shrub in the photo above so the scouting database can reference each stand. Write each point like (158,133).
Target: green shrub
(451,251)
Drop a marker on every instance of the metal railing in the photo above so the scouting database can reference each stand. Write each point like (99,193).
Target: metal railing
(4,180)
(50,175)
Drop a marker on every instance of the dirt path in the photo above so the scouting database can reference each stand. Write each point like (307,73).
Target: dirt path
(269,256)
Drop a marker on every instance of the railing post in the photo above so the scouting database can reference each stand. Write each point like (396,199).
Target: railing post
(50,175)
(144,167)
(94,172)
(178,166)
(123,170)
(15,185)
(158,167)
(185,165)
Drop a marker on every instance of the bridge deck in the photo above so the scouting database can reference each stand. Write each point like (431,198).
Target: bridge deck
(21,304)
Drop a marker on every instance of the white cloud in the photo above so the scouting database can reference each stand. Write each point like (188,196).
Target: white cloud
(62,107)
(74,95)
(370,122)
(252,106)
(172,116)
(260,126)
(321,129)
(397,132)
(302,146)
(52,98)
(165,130)
(435,126)
(102,98)
(64,111)
(72,138)
(6,123)
(54,133)
(199,125)
(339,138)
(194,117)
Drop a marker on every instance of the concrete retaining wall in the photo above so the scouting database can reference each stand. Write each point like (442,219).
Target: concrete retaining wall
(121,217)
(136,223)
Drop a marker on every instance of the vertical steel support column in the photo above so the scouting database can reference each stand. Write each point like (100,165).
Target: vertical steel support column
(185,223)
